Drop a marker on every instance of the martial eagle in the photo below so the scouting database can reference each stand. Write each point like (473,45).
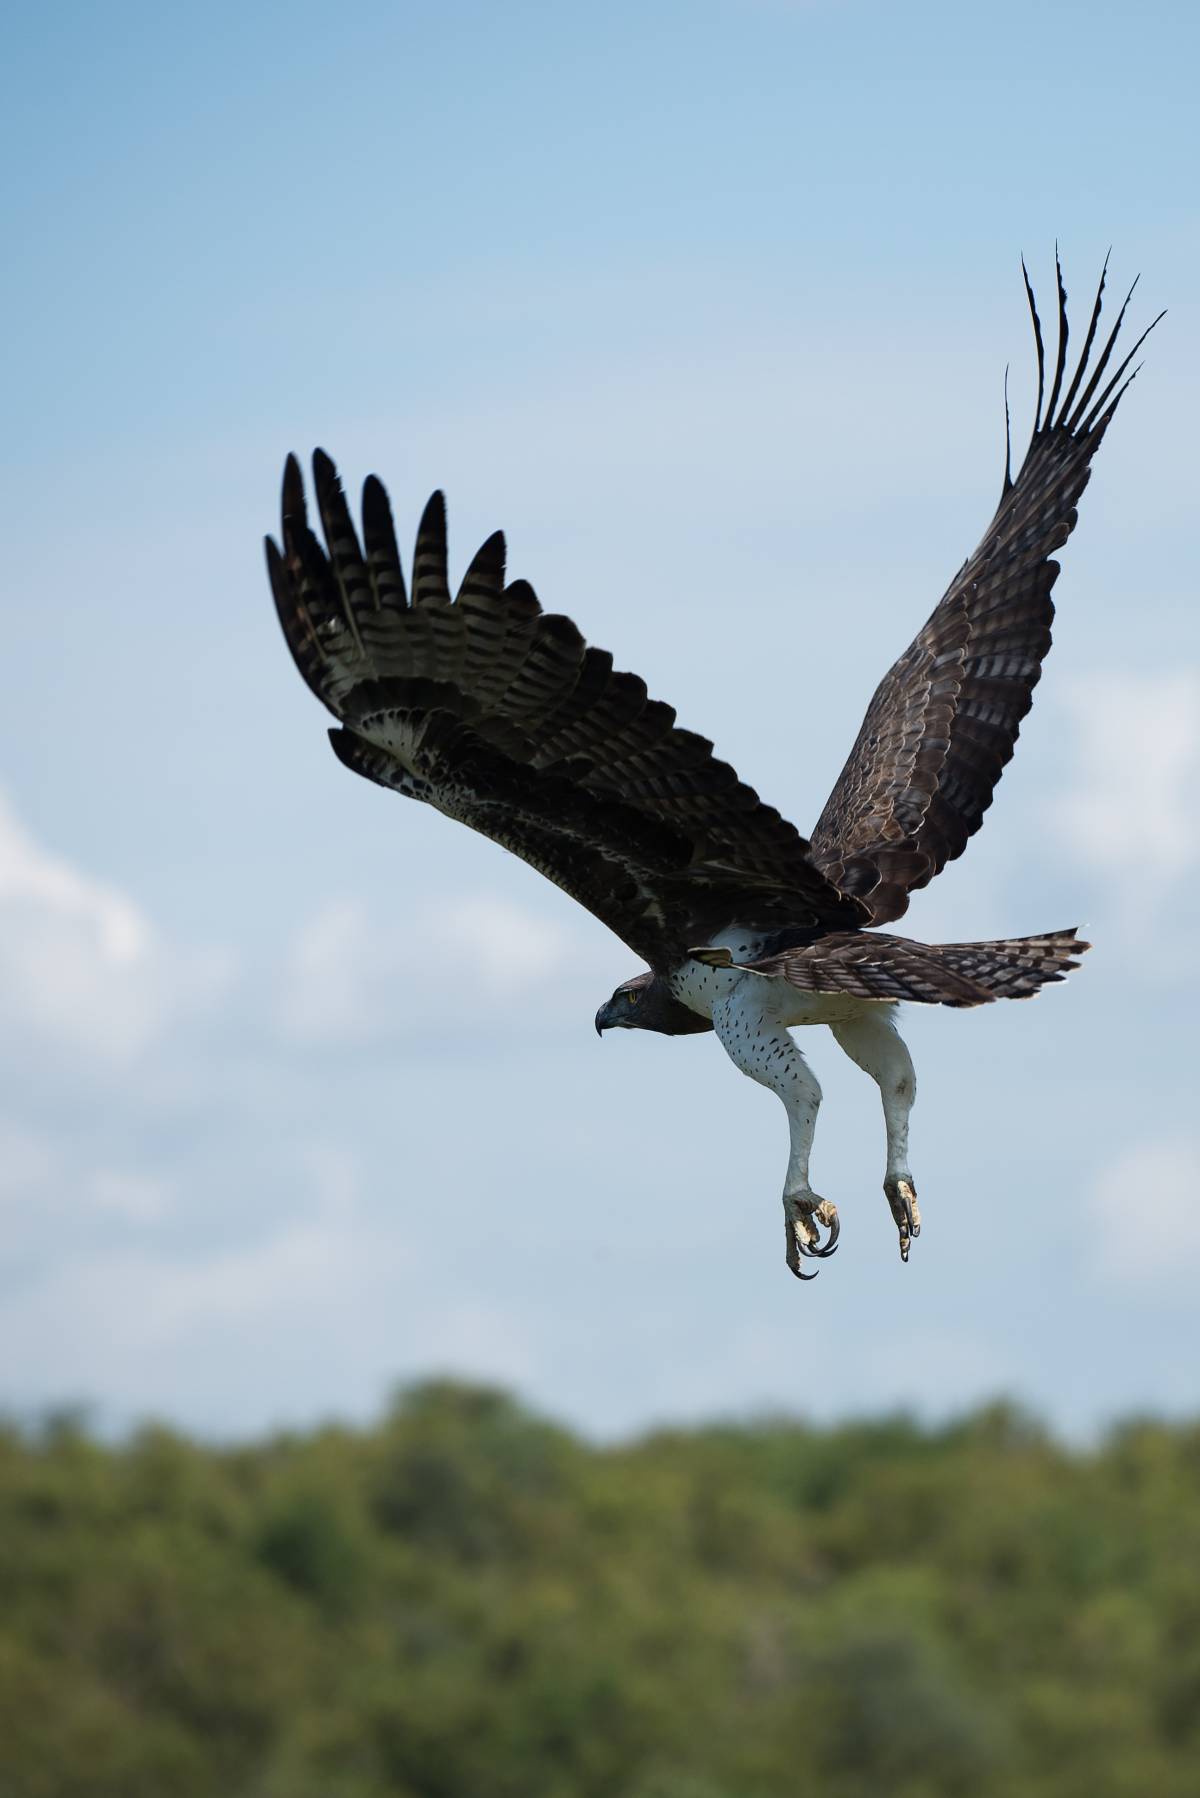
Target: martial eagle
(500,715)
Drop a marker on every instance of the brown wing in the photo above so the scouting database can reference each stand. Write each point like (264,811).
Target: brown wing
(499,714)
(943,723)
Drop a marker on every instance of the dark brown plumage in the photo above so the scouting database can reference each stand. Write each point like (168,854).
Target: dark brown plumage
(943,722)
(872,965)
(500,715)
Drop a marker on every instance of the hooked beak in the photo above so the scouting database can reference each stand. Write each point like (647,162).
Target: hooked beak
(604,1018)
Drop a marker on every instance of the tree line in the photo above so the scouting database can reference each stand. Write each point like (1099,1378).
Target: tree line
(467,1601)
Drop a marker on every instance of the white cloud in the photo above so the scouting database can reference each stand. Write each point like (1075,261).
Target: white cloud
(1147,1219)
(48,1190)
(31,876)
(324,1310)
(136,1326)
(1130,805)
(350,978)
(61,1199)
(26,1161)
(137,1198)
(80,966)
(327,991)
(123,1279)
(506,948)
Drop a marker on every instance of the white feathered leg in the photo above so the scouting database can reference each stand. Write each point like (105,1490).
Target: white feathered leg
(761,1047)
(873,1041)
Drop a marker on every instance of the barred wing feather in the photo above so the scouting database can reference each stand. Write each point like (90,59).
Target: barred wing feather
(500,715)
(943,723)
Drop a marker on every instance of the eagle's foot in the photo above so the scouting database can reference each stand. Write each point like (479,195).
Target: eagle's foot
(803,1212)
(902,1197)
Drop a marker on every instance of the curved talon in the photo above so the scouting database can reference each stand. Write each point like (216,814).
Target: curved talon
(902,1197)
(805,1217)
(818,1251)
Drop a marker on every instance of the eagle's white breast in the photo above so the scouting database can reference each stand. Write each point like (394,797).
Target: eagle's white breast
(700,987)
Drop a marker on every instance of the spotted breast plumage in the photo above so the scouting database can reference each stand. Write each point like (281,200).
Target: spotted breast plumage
(500,715)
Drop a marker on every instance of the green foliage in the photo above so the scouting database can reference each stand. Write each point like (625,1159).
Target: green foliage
(467,1602)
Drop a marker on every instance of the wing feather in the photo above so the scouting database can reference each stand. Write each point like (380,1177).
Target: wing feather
(501,716)
(944,721)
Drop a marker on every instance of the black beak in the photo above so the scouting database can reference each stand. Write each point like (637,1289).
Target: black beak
(603,1021)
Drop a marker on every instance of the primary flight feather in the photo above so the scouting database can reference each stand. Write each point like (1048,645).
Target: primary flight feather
(500,715)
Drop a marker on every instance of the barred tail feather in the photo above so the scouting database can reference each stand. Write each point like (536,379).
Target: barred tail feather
(870,964)
(1016,967)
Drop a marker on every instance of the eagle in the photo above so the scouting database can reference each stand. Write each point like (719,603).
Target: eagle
(502,716)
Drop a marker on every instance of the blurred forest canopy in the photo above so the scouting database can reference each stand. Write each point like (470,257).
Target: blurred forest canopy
(469,1602)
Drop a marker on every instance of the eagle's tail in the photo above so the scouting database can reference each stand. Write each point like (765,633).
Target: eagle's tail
(1014,967)
(869,964)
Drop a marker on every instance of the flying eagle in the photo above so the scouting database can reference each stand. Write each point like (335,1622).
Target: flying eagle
(502,716)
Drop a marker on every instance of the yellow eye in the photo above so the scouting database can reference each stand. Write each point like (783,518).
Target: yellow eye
(633,997)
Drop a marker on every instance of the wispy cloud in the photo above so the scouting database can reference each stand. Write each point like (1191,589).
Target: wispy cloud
(136,1197)
(1128,805)
(81,967)
(1147,1221)
(26,1161)
(332,1301)
(188,1221)
(352,977)
(32,876)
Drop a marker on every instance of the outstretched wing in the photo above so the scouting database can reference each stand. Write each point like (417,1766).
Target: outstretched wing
(944,721)
(499,714)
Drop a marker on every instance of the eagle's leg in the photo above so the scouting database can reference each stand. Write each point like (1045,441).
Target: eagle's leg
(873,1041)
(763,1049)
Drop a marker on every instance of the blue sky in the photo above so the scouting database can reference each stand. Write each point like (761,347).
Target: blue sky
(708,305)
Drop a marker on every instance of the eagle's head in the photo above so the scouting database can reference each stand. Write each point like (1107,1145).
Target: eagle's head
(647,1003)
